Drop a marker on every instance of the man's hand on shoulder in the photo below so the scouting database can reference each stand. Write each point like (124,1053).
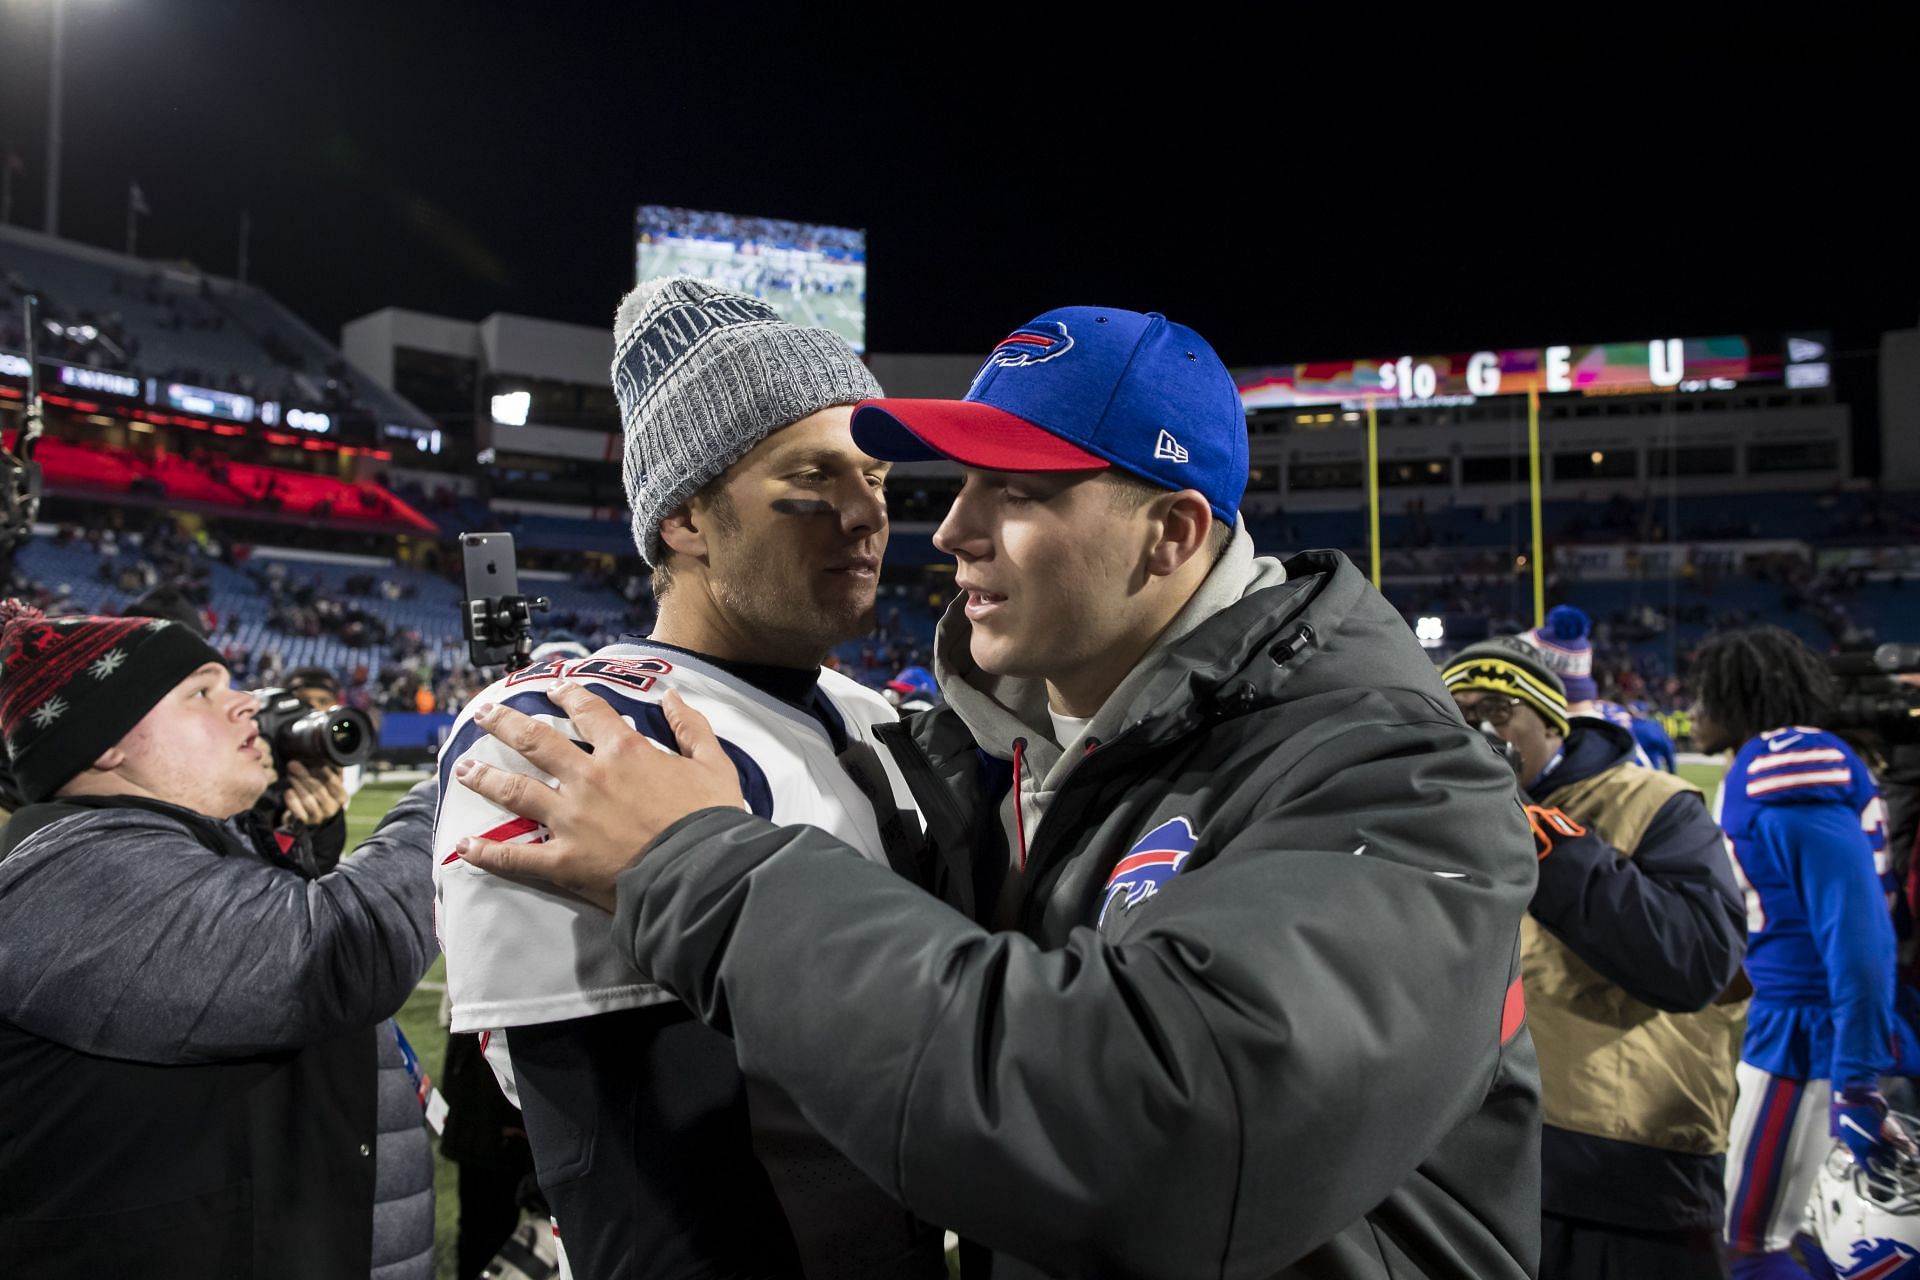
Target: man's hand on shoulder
(605,806)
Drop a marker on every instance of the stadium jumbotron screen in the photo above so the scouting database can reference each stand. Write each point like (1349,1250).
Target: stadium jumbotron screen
(813,275)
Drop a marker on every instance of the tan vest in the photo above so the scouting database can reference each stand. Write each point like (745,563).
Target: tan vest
(1611,1066)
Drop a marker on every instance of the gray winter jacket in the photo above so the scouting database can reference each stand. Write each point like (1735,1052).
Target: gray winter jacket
(216,1014)
(402,1170)
(1259,1015)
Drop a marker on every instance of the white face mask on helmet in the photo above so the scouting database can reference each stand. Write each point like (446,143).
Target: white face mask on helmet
(1868,1226)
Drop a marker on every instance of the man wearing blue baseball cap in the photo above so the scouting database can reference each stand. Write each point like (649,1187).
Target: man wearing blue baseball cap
(912,689)
(1223,975)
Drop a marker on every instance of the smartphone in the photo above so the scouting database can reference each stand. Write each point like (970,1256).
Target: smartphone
(491,574)
(491,577)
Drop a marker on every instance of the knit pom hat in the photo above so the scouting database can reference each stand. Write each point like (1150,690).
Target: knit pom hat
(72,687)
(1509,665)
(1564,646)
(703,375)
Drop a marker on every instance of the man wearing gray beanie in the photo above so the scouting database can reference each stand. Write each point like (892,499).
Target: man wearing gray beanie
(765,526)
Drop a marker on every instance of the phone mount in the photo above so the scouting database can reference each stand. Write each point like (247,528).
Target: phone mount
(500,629)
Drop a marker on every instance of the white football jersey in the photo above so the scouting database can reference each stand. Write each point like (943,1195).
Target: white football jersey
(520,952)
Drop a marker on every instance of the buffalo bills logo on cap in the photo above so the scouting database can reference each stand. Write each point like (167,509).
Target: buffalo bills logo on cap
(1034,344)
(1154,859)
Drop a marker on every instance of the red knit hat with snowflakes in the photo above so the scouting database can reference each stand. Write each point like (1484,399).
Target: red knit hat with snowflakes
(72,687)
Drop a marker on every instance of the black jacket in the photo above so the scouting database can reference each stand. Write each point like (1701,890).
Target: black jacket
(186,1041)
(1299,1056)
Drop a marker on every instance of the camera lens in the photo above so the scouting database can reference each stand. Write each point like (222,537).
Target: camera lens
(336,735)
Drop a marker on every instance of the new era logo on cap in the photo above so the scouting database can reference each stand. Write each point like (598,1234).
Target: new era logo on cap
(1136,392)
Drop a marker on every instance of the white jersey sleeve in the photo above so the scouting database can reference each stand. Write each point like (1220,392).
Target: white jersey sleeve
(521,953)
(517,951)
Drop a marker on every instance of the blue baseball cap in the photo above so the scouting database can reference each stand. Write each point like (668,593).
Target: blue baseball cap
(1083,388)
(915,680)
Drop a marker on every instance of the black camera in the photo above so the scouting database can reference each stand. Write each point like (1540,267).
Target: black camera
(295,730)
(1868,700)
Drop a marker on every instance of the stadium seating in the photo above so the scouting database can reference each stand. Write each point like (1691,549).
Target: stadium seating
(1849,518)
(428,605)
(257,490)
(174,323)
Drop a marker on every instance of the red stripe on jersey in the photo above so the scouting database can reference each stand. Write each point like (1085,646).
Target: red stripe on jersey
(508,830)
(505,831)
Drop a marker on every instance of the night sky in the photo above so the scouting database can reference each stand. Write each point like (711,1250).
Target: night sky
(1291,193)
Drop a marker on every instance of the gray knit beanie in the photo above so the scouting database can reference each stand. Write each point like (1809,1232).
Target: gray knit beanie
(703,375)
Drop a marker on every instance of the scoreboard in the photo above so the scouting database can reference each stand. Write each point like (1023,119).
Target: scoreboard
(1658,365)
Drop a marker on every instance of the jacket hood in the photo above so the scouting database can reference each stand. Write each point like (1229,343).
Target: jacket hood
(1593,747)
(1000,709)
(1217,653)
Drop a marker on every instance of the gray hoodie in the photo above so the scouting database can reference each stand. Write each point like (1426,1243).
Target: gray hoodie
(1003,710)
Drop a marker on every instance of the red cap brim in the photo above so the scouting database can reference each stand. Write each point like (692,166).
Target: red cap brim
(966,431)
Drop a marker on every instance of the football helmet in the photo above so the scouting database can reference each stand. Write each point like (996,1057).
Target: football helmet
(1868,1224)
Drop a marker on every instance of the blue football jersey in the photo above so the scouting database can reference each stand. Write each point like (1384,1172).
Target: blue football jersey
(1807,831)
(1615,714)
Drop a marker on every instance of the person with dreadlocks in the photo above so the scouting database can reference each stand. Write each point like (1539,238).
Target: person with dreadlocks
(1808,835)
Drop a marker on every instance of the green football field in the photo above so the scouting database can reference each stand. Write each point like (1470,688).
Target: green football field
(1704,776)
(420,1019)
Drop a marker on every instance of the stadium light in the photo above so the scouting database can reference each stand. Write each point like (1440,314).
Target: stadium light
(511,409)
(1431,632)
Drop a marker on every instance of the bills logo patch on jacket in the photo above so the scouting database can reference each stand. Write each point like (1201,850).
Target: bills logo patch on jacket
(1144,870)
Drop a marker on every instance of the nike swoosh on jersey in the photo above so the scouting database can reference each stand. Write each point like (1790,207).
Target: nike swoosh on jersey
(1775,744)
(1849,1123)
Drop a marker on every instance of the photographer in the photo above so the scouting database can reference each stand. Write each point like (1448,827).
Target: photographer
(304,815)
(188,1029)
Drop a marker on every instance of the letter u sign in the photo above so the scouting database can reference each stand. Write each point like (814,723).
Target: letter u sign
(1666,361)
